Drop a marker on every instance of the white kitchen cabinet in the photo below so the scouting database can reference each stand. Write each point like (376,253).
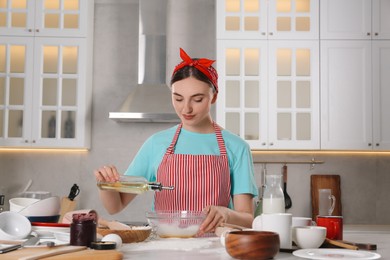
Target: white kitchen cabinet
(44,17)
(262,19)
(355,19)
(354,93)
(381,94)
(45,82)
(270,93)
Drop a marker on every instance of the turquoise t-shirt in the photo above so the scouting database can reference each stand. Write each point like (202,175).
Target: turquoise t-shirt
(149,157)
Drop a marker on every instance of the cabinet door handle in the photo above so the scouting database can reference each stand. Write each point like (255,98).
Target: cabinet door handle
(29,30)
(37,30)
(368,34)
(263,33)
(271,144)
(377,144)
(369,144)
(26,141)
(33,141)
(263,144)
(376,34)
(271,33)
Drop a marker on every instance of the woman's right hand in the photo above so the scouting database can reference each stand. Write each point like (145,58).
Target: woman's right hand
(107,173)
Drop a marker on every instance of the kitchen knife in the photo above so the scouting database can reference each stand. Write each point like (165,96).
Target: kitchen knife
(29,242)
(69,203)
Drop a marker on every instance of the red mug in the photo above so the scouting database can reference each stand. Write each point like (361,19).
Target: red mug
(333,225)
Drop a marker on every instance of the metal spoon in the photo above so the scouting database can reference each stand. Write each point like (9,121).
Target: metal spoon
(287,199)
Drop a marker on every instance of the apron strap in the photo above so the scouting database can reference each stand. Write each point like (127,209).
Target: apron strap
(218,133)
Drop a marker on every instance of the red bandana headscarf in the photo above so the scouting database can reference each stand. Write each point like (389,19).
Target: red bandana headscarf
(202,64)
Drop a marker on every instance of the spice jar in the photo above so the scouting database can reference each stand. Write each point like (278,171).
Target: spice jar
(83,229)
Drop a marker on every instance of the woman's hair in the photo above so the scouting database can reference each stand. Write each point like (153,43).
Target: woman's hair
(191,71)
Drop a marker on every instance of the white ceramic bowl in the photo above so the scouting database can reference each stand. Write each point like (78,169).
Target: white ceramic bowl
(13,226)
(308,236)
(18,204)
(179,224)
(46,207)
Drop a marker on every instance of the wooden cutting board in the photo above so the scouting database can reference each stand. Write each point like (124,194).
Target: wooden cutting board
(82,255)
(325,182)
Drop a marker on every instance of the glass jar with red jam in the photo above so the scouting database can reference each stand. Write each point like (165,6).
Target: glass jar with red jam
(83,229)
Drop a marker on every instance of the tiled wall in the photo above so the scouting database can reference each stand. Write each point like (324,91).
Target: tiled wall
(364,179)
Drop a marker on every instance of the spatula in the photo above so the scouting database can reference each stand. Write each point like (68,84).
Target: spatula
(287,199)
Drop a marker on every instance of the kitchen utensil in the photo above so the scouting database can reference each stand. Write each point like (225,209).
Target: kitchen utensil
(170,223)
(339,243)
(36,194)
(252,244)
(54,252)
(75,255)
(44,219)
(46,207)
(333,253)
(28,242)
(326,202)
(69,203)
(276,222)
(333,225)
(325,182)
(363,246)
(302,221)
(308,236)
(18,204)
(28,185)
(14,226)
(287,199)
(273,198)
(114,225)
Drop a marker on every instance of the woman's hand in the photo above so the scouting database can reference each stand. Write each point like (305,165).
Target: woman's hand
(216,215)
(107,174)
(242,215)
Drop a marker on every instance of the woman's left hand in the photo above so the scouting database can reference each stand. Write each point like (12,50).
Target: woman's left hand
(216,215)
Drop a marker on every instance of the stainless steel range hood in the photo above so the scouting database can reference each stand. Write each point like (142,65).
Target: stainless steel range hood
(164,27)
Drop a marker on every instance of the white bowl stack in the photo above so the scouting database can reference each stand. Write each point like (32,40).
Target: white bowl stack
(45,210)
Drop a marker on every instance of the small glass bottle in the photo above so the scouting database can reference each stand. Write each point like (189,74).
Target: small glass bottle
(83,229)
(133,184)
(273,199)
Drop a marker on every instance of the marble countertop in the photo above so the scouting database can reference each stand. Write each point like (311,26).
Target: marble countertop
(211,248)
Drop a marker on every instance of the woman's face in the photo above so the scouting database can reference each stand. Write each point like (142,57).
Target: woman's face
(192,100)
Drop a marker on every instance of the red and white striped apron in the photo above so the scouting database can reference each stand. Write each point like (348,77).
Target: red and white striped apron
(199,180)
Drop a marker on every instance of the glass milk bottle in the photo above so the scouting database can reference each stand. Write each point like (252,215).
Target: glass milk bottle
(273,199)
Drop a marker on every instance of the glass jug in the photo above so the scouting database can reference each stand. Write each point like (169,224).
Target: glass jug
(273,199)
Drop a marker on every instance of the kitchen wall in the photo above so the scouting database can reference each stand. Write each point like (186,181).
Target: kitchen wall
(364,178)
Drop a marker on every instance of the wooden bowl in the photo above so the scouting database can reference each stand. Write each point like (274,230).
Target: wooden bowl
(252,244)
(128,236)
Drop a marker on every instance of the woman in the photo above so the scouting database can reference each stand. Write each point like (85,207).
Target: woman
(210,168)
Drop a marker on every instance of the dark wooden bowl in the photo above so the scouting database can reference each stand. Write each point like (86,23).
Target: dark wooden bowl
(252,244)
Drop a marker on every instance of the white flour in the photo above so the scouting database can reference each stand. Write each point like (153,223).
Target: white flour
(187,244)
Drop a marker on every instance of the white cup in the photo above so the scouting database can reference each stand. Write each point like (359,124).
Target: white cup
(326,202)
(302,222)
(276,222)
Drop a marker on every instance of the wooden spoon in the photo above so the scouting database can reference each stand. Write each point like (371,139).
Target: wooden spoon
(113,225)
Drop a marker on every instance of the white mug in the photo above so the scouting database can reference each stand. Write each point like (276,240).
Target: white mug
(326,202)
(276,222)
(302,222)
